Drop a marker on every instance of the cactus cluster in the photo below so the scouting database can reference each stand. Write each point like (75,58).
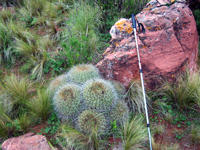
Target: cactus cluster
(82,97)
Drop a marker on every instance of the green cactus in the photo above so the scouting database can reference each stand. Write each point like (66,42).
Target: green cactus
(83,72)
(120,112)
(67,101)
(99,94)
(119,87)
(89,121)
(56,83)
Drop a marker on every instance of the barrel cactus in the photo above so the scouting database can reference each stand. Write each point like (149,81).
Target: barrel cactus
(57,82)
(67,101)
(99,94)
(83,72)
(119,87)
(120,112)
(90,120)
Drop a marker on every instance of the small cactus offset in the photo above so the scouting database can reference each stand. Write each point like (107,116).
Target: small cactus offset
(67,101)
(99,94)
(90,120)
(83,72)
(57,82)
(120,112)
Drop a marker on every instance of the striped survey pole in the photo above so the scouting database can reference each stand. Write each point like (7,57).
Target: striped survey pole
(142,81)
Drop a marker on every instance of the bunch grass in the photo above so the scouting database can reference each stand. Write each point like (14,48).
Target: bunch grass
(134,133)
(78,140)
(41,106)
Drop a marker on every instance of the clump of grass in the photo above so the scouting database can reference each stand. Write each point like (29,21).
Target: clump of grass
(78,140)
(195,134)
(5,130)
(25,121)
(80,37)
(5,15)
(134,133)
(135,97)
(19,91)
(184,93)
(168,117)
(158,128)
(41,106)
(161,146)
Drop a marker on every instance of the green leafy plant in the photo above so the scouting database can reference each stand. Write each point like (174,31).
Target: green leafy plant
(179,136)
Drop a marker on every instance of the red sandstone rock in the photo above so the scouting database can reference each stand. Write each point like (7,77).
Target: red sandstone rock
(28,141)
(169,43)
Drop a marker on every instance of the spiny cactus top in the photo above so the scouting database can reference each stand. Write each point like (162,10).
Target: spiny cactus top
(67,100)
(83,72)
(99,94)
(90,121)
(57,82)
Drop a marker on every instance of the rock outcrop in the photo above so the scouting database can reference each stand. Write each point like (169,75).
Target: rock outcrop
(28,141)
(169,43)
